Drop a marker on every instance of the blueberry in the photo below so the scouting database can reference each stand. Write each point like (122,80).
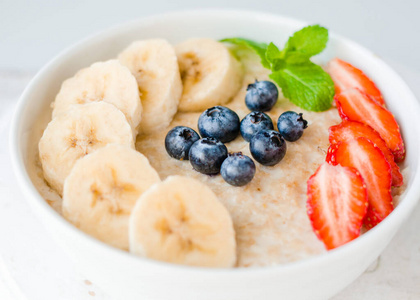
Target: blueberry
(254,122)
(219,122)
(207,155)
(291,125)
(261,95)
(179,140)
(268,147)
(238,169)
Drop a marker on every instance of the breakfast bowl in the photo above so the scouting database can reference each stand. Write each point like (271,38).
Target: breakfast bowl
(125,276)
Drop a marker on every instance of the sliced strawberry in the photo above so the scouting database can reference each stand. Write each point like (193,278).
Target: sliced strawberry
(348,130)
(346,76)
(330,158)
(355,105)
(371,163)
(337,203)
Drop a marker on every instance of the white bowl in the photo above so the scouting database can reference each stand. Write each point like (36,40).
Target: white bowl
(125,276)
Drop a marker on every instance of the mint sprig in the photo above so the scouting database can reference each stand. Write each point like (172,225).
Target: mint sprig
(305,43)
(259,48)
(274,57)
(304,83)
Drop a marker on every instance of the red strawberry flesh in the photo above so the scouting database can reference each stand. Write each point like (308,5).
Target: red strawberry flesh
(371,163)
(330,158)
(355,105)
(348,130)
(337,204)
(346,76)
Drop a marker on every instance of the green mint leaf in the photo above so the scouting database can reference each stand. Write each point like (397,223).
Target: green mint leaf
(273,53)
(274,57)
(305,43)
(259,48)
(306,85)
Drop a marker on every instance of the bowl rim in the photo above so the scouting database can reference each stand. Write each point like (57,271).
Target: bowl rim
(32,195)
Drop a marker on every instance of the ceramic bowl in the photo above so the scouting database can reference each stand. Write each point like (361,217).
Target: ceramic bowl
(125,276)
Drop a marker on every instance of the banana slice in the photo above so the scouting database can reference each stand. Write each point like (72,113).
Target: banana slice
(103,81)
(78,132)
(181,221)
(102,189)
(209,73)
(153,63)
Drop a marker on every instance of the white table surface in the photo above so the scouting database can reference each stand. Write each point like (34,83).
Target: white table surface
(33,267)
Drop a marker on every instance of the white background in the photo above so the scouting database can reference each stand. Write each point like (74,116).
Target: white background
(32,266)
(32,31)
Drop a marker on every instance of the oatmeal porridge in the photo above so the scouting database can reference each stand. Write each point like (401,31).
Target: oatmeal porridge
(269,214)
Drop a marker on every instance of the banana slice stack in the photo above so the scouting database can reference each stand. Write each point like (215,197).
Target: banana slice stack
(107,81)
(80,131)
(110,190)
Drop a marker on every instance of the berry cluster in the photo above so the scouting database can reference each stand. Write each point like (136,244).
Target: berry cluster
(218,125)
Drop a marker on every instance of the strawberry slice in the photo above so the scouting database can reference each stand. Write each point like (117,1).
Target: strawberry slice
(371,163)
(330,158)
(336,205)
(349,130)
(355,105)
(346,76)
